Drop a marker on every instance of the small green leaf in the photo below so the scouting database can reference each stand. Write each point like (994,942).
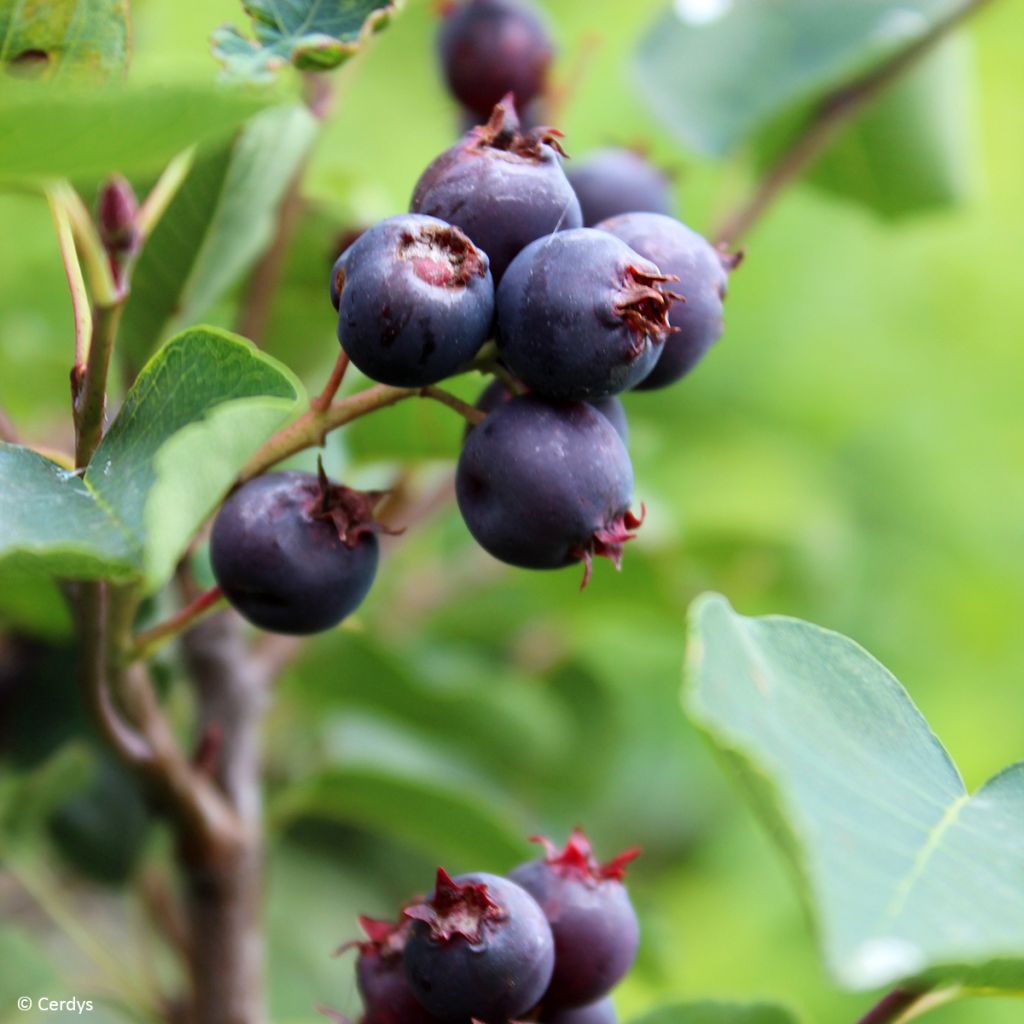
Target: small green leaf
(709,1012)
(196,413)
(312,35)
(51,525)
(905,872)
(133,130)
(446,823)
(64,38)
(717,73)
(218,223)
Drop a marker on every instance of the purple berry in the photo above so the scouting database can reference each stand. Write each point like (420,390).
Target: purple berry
(611,409)
(294,553)
(703,274)
(613,181)
(601,1012)
(581,315)
(380,975)
(593,922)
(415,300)
(492,47)
(502,187)
(544,485)
(480,949)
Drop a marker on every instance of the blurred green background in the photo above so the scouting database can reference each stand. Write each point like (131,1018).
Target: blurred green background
(850,453)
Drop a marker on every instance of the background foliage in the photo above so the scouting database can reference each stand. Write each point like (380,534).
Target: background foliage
(846,455)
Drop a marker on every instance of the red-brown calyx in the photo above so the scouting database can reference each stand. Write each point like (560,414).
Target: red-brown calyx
(385,938)
(644,304)
(503,131)
(457,910)
(350,511)
(578,858)
(442,256)
(609,542)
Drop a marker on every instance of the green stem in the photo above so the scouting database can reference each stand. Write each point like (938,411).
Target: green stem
(92,399)
(160,195)
(76,281)
(149,641)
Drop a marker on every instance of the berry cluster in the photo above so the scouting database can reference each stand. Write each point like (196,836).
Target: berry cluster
(494,249)
(548,943)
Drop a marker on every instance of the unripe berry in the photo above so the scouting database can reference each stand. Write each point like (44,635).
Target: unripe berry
(593,922)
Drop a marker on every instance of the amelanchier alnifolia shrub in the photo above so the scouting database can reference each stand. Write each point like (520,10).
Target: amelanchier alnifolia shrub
(494,251)
(547,944)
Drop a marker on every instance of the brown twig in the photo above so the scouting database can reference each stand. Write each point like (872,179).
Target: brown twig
(324,399)
(831,115)
(892,1007)
(150,640)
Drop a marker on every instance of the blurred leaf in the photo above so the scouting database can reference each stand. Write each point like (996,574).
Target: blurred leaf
(28,971)
(51,523)
(443,822)
(27,799)
(133,130)
(717,1013)
(200,408)
(32,603)
(64,37)
(410,432)
(313,35)
(910,150)
(719,72)
(906,873)
(218,223)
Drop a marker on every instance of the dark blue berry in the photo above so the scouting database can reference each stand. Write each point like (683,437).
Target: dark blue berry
(502,187)
(544,485)
(294,553)
(611,408)
(703,273)
(613,181)
(415,300)
(492,47)
(581,315)
(593,922)
(601,1012)
(480,949)
(380,975)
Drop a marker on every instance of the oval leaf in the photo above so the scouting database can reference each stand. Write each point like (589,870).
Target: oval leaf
(906,873)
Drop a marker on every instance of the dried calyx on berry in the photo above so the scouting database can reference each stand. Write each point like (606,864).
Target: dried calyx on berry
(480,948)
(502,186)
(593,921)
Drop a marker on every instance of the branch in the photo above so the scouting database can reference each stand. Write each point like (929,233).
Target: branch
(91,404)
(149,641)
(832,114)
(310,429)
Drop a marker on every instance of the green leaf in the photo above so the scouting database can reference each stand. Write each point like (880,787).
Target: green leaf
(61,38)
(50,523)
(446,823)
(709,1012)
(910,150)
(717,73)
(313,35)
(218,223)
(905,872)
(194,416)
(134,130)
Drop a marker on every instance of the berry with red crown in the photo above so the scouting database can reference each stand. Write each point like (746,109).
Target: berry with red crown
(480,949)
(592,919)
